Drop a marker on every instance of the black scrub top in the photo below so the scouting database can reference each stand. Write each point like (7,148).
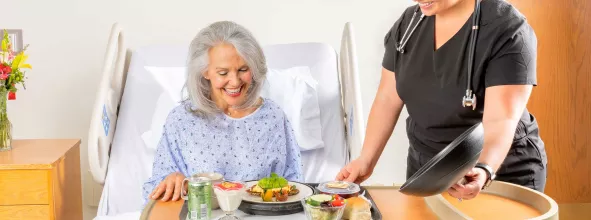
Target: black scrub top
(431,83)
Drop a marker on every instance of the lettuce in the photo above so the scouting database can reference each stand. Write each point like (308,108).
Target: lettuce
(272,182)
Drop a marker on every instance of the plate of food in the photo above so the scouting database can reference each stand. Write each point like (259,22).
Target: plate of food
(274,195)
(341,188)
(276,189)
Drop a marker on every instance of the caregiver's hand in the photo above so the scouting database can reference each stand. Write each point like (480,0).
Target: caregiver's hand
(475,179)
(170,186)
(357,171)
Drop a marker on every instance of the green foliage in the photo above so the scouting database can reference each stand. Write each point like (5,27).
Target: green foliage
(272,182)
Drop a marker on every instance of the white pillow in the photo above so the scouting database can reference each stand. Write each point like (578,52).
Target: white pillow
(294,90)
(172,80)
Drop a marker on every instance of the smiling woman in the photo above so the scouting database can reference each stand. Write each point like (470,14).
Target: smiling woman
(224,126)
(230,78)
(225,71)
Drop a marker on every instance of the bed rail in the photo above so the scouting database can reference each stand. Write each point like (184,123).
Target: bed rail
(351,92)
(106,106)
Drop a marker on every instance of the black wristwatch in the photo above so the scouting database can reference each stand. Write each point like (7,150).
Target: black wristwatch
(489,171)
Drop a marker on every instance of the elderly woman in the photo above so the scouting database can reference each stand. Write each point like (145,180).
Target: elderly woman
(224,126)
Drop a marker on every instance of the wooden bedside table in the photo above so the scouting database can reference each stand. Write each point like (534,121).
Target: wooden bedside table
(40,179)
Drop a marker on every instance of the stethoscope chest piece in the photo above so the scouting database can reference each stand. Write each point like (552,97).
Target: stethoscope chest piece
(469,100)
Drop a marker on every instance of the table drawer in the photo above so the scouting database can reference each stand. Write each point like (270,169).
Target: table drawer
(24,212)
(24,187)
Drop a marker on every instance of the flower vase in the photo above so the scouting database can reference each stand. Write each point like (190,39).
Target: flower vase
(5,125)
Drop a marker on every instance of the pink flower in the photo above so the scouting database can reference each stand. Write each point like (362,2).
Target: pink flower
(5,69)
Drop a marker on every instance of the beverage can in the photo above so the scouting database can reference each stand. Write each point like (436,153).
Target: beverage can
(199,192)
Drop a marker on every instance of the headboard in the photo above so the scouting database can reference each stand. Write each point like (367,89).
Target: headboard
(114,73)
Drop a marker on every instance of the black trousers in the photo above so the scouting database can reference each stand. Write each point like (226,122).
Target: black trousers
(525,164)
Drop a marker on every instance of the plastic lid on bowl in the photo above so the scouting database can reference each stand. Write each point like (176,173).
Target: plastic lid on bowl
(338,187)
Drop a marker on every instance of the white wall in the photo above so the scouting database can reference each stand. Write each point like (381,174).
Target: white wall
(67,42)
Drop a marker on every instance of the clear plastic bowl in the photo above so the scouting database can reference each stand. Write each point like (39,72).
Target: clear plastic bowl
(322,213)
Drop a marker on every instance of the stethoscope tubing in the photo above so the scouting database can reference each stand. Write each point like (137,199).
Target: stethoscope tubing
(469,99)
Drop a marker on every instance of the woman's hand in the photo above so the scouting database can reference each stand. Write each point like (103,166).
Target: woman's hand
(357,171)
(475,179)
(171,187)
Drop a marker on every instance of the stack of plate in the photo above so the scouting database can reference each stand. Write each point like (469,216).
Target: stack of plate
(254,205)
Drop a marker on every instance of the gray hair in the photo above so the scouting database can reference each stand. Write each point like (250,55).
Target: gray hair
(199,88)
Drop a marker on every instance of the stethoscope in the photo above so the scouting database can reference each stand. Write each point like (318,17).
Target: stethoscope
(469,99)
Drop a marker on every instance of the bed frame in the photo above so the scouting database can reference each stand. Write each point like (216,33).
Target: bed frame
(108,99)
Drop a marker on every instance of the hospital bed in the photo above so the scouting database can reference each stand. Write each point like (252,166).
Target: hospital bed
(139,87)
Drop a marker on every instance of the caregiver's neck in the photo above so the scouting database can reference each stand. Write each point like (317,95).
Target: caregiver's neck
(457,13)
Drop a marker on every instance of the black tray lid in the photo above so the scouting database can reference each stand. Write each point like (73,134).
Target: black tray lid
(447,167)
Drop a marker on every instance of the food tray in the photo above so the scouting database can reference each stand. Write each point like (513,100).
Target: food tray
(375,212)
(287,209)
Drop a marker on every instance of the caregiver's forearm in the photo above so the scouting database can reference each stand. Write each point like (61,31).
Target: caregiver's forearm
(381,123)
(503,109)
(382,119)
(498,137)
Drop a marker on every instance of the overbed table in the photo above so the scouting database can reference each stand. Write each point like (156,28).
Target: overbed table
(391,203)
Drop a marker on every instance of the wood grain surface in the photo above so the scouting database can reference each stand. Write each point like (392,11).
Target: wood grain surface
(165,210)
(67,187)
(24,187)
(35,154)
(574,211)
(497,207)
(24,212)
(395,205)
(562,100)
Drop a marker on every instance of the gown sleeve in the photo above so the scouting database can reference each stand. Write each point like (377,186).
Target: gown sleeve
(167,160)
(294,167)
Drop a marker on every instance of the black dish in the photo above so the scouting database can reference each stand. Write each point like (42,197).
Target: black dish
(447,167)
(273,209)
(265,210)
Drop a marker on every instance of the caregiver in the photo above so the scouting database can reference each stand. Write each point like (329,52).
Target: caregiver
(450,82)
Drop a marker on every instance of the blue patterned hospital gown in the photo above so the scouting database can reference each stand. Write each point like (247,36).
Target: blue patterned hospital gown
(243,149)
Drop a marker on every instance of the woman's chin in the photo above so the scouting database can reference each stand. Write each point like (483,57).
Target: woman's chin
(428,12)
(234,101)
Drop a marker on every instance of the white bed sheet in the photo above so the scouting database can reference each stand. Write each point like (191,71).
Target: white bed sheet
(131,160)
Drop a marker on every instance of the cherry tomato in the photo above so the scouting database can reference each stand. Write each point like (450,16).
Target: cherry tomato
(337,203)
